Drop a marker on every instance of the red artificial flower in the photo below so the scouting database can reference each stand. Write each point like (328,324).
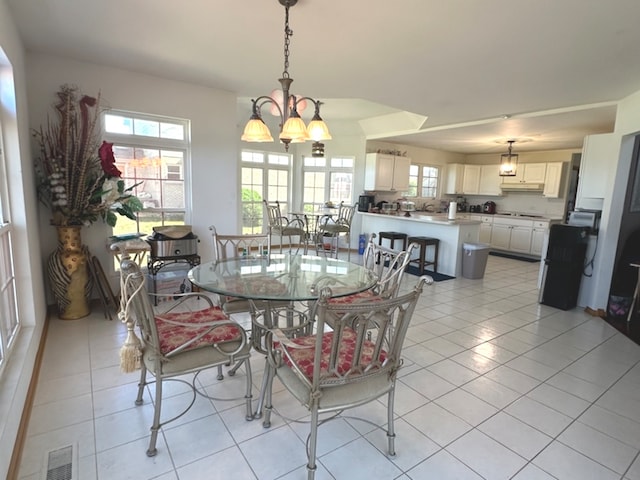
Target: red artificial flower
(108,160)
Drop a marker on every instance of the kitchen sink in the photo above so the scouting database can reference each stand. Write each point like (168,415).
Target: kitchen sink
(522,215)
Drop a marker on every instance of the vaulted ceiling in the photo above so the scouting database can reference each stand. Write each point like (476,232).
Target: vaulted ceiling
(458,75)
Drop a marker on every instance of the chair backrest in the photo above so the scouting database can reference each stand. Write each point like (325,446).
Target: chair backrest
(373,332)
(137,304)
(345,214)
(389,266)
(232,246)
(274,215)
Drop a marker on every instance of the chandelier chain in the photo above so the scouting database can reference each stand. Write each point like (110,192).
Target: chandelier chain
(287,41)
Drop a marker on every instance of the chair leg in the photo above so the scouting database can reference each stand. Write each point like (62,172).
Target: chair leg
(247,396)
(220,375)
(391,434)
(313,440)
(142,383)
(266,394)
(155,427)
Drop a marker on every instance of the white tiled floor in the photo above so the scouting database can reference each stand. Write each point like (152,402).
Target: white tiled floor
(495,386)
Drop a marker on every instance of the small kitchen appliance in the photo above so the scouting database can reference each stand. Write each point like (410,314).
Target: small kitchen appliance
(585,218)
(173,241)
(365,202)
(489,207)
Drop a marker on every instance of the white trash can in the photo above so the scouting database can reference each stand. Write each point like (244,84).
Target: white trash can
(474,259)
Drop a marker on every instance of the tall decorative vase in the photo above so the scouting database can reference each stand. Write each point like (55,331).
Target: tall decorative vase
(68,269)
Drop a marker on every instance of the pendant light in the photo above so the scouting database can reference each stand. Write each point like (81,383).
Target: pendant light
(508,162)
(286,106)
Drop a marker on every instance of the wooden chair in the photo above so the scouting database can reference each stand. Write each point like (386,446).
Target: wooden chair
(184,339)
(353,363)
(284,227)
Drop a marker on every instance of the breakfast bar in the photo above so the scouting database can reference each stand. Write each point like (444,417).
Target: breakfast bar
(451,233)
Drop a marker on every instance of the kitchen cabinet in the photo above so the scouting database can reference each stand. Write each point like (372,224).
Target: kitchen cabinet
(471,180)
(599,154)
(528,173)
(485,229)
(490,180)
(540,229)
(553,180)
(386,172)
(455,176)
(512,234)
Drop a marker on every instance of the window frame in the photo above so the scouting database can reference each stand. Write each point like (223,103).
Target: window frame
(420,179)
(267,167)
(328,169)
(135,141)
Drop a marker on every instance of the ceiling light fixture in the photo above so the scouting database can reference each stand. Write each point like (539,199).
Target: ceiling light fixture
(292,127)
(508,162)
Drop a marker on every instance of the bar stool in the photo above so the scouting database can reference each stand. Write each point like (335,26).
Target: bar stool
(425,242)
(392,237)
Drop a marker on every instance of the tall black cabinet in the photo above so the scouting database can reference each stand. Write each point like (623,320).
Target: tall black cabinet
(564,265)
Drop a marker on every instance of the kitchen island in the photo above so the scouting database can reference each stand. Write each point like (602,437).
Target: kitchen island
(451,233)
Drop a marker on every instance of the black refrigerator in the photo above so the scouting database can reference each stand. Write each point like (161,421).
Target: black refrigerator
(564,265)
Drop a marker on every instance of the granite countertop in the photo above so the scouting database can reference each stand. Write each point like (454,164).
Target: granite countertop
(437,218)
(519,215)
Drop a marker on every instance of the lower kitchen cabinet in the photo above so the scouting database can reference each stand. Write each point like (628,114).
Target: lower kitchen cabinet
(513,235)
(537,237)
(485,229)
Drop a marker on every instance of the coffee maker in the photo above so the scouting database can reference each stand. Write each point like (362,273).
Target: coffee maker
(366,202)
(489,207)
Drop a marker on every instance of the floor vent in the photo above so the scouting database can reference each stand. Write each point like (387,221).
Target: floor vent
(60,464)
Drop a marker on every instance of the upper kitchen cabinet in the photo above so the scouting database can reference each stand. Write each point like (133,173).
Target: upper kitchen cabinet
(553,180)
(385,172)
(455,177)
(471,180)
(490,180)
(528,173)
(595,164)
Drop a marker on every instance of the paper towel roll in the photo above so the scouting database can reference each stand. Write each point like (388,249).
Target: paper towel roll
(453,208)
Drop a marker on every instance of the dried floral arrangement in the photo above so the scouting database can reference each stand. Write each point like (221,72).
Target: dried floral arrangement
(77,176)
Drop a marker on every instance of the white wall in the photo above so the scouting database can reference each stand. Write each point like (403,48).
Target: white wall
(626,127)
(16,375)
(214,155)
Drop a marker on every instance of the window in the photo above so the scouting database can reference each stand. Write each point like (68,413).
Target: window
(9,320)
(327,180)
(263,176)
(423,181)
(152,152)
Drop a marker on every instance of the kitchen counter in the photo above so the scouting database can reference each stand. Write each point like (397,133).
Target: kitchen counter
(451,233)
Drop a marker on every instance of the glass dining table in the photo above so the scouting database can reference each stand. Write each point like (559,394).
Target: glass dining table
(275,285)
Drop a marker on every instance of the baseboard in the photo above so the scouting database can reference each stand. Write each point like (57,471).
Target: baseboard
(21,436)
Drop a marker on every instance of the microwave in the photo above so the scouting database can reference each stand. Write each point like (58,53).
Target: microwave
(586,218)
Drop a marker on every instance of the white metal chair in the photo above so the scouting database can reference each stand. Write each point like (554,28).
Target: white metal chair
(334,227)
(344,366)
(232,246)
(389,266)
(179,341)
(284,227)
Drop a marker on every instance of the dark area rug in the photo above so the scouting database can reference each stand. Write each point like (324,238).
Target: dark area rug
(437,277)
(515,257)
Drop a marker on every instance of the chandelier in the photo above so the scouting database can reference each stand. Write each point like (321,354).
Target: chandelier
(508,162)
(292,127)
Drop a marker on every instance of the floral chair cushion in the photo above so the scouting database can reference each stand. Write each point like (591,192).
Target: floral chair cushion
(172,336)
(303,357)
(367,295)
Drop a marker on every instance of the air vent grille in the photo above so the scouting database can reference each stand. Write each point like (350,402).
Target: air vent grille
(60,464)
